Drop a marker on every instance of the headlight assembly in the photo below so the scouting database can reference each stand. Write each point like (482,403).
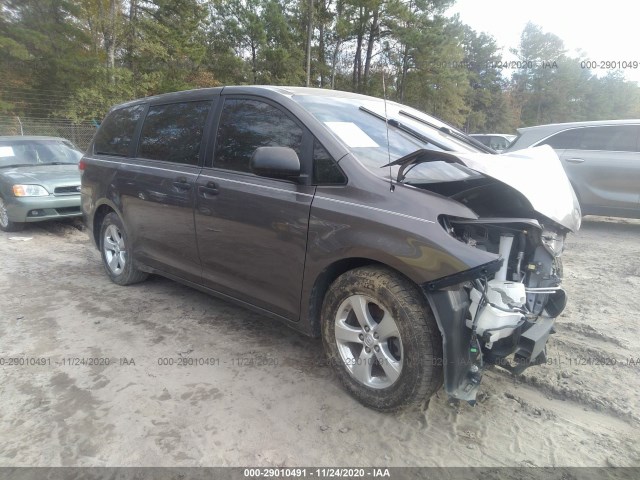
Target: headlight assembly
(29,191)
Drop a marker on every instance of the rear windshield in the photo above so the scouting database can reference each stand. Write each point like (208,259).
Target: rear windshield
(37,152)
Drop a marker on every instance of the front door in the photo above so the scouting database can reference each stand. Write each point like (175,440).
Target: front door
(251,230)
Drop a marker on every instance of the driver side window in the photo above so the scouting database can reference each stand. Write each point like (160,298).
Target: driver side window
(248,124)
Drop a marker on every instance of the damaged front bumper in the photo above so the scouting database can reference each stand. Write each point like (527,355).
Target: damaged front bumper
(463,360)
(502,311)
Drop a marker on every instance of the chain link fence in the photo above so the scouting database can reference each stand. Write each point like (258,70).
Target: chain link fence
(78,133)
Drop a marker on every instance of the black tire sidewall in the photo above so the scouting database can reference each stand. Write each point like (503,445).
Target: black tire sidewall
(421,355)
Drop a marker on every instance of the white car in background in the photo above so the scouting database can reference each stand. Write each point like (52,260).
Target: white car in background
(496,141)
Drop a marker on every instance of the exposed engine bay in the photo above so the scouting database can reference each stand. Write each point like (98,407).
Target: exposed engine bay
(523,291)
(506,309)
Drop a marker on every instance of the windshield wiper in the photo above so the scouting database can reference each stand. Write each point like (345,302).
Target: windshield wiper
(451,132)
(405,128)
(423,155)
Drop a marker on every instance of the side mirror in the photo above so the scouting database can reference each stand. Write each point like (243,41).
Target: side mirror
(275,162)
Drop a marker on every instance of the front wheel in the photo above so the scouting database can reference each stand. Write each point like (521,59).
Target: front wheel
(115,249)
(7,225)
(382,339)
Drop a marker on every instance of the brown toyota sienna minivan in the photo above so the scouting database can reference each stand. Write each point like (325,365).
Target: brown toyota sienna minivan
(416,253)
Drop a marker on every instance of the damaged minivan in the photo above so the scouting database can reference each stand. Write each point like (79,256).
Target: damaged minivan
(417,254)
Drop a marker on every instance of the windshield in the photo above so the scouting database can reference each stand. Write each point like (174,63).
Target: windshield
(21,152)
(359,123)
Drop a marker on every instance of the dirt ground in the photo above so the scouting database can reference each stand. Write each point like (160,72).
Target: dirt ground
(262,396)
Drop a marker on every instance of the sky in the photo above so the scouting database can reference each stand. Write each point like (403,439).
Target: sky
(606,31)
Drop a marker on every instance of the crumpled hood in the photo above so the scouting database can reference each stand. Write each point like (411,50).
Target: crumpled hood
(537,173)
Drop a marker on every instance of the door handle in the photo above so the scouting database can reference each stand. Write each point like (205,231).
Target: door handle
(181,184)
(575,160)
(209,190)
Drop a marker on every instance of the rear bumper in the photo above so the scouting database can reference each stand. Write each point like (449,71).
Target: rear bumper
(36,209)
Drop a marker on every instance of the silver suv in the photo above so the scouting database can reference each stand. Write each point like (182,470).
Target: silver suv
(602,161)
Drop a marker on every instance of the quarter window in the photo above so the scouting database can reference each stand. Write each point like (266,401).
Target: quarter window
(325,168)
(248,124)
(172,133)
(116,132)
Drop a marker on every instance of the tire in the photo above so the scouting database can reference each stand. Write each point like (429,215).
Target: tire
(115,249)
(7,225)
(403,365)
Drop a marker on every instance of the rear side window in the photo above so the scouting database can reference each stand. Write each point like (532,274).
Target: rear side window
(620,138)
(116,132)
(567,139)
(248,124)
(173,133)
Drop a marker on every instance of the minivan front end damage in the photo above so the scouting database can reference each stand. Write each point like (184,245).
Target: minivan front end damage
(501,312)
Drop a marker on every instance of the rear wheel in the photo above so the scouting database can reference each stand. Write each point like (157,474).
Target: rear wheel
(382,339)
(7,225)
(115,248)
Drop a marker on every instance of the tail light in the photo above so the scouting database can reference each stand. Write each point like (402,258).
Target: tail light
(82,165)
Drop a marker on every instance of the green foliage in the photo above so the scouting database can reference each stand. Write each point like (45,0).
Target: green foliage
(171,40)
(489,105)
(77,58)
(557,89)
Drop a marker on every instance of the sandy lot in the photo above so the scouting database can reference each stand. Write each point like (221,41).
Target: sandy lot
(262,395)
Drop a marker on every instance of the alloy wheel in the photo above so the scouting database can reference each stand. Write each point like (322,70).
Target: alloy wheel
(114,249)
(369,342)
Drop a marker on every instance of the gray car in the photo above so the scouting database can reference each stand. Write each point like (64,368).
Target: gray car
(39,180)
(417,254)
(601,159)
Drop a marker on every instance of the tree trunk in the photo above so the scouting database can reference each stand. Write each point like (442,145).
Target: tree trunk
(336,50)
(131,38)
(254,63)
(405,69)
(357,63)
(309,36)
(334,61)
(321,59)
(405,61)
(357,60)
(373,34)
(110,40)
